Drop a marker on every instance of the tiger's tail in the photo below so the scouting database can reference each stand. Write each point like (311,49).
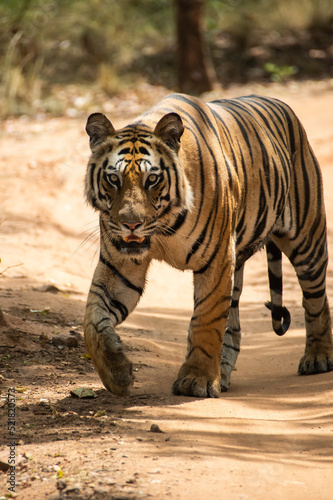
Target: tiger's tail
(280,314)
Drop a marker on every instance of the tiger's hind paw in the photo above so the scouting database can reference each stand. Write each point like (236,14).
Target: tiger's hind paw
(315,363)
(225,370)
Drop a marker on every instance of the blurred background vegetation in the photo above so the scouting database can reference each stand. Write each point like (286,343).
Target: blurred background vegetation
(54,52)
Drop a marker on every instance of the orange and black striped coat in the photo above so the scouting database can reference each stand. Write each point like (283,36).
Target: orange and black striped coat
(203,186)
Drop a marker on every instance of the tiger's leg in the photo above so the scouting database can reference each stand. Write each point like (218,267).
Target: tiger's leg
(111,298)
(308,255)
(232,334)
(200,373)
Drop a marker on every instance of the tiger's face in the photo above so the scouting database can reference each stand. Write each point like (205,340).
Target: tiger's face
(135,180)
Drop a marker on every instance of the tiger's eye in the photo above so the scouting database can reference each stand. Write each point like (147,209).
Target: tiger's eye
(114,178)
(152,178)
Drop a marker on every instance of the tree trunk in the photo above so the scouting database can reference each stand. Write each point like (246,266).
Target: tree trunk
(195,69)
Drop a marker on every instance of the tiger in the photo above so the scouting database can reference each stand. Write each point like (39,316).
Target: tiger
(203,186)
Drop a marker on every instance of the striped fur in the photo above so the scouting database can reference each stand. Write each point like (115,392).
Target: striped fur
(202,187)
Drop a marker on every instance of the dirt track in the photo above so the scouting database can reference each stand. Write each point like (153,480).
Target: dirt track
(270,436)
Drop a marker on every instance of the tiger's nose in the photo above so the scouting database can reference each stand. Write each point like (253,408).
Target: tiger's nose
(132,225)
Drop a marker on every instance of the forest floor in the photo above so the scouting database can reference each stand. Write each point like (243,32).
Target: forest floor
(269,436)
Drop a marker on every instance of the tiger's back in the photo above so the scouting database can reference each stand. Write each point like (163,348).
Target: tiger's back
(250,151)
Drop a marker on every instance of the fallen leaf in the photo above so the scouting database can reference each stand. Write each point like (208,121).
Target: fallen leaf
(100,413)
(83,392)
(21,389)
(46,310)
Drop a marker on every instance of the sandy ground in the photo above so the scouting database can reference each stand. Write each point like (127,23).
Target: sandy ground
(270,436)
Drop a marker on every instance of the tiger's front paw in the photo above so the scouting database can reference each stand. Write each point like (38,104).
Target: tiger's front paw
(116,373)
(113,367)
(192,382)
(312,363)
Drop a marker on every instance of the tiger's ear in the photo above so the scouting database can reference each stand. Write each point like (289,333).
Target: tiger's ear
(169,129)
(98,128)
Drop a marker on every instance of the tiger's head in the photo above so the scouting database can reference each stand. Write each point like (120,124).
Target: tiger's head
(135,180)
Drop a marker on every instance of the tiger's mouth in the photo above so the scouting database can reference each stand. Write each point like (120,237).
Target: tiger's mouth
(135,244)
(133,239)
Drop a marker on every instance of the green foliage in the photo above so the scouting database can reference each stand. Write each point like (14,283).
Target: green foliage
(114,43)
(280,73)
(234,15)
